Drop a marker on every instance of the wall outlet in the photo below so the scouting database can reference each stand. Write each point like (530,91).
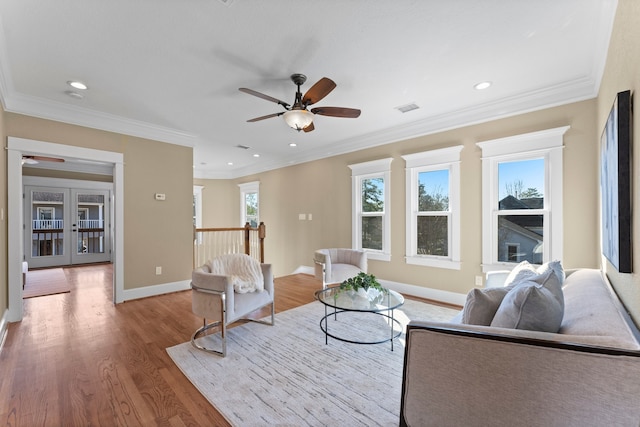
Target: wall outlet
(479,281)
(158,271)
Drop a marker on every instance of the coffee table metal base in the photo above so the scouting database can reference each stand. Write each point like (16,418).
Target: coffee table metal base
(327,334)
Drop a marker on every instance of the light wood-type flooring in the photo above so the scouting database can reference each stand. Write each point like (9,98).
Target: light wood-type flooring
(76,359)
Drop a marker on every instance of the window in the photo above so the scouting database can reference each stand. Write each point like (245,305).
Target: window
(522,199)
(197,206)
(249,211)
(371,221)
(433,208)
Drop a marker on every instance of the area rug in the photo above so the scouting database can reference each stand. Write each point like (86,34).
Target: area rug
(45,282)
(285,375)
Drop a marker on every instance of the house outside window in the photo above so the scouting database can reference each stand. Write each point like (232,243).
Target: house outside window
(371,220)
(249,203)
(522,199)
(433,208)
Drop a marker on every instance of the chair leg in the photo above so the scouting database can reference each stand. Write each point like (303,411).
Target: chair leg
(223,330)
(202,332)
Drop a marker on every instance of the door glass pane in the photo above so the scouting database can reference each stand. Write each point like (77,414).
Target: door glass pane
(373,195)
(47,223)
(372,232)
(433,235)
(520,238)
(521,184)
(90,224)
(433,191)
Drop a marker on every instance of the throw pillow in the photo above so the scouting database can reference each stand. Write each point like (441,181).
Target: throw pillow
(520,272)
(481,305)
(532,305)
(557,268)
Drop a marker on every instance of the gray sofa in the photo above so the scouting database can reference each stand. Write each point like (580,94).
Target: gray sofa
(587,374)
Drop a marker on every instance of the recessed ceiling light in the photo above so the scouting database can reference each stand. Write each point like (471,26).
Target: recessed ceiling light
(230,163)
(293,144)
(256,155)
(77,84)
(482,85)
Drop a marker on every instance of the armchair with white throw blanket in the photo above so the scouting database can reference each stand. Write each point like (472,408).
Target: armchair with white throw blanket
(227,289)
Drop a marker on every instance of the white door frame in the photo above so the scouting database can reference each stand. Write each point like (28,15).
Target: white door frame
(16,148)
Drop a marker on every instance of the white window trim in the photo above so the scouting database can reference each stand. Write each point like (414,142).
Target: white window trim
(247,188)
(197,195)
(359,172)
(548,144)
(444,158)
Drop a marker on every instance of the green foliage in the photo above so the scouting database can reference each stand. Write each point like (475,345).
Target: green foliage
(373,195)
(364,281)
(437,201)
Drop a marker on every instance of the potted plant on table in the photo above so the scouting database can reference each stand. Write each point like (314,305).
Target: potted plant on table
(365,285)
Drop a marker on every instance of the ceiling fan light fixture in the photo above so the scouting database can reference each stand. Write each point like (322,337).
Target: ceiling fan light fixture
(77,84)
(298,119)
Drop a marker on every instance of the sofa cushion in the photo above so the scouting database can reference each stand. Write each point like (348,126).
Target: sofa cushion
(536,304)
(481,305)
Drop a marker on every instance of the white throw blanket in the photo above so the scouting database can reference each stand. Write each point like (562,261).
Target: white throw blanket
(245,272)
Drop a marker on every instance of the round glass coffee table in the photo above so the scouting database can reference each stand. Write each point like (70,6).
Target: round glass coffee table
(337,301)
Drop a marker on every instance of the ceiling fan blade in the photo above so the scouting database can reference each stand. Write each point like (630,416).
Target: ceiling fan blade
(351,113)
(268,116)
(309,127)
(263,96)
(44,159)
(318,91)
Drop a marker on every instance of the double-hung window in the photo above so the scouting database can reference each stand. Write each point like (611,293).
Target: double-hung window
(522,199)
(433,208)
(249,212)
(371,221)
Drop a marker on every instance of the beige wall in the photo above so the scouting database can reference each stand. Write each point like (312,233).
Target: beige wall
(4,276)
(623,73)
(157,233)
(323,188)
(220,203)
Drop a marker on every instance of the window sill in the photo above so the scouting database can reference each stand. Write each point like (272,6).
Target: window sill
(434,262)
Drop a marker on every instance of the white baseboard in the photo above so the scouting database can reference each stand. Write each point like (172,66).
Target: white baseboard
(303,269)
(404,288)
(150,291)
(427,293)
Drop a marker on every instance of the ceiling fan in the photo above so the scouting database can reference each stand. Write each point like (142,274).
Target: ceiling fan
(297,116)
(33,160)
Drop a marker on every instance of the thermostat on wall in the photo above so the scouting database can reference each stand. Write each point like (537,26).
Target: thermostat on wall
(160,196)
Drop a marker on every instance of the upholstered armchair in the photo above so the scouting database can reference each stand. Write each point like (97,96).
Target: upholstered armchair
(338,264)
(224,294)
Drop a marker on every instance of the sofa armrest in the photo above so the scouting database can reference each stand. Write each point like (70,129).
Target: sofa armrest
(454,375)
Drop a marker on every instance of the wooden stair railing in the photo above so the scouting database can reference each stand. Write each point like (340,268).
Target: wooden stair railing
(211,242)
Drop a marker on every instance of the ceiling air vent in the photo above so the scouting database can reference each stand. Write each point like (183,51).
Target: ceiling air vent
(407,108)
(244,147)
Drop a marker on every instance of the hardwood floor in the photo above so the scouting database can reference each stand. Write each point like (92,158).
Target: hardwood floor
(78,360)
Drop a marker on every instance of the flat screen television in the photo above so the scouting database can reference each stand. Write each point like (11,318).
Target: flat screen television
(615,184)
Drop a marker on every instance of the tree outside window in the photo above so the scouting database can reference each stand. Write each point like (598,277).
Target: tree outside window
(372,210)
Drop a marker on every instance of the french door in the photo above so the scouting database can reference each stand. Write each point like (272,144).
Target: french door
(65,226)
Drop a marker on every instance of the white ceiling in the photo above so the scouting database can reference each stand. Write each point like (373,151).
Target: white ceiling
(170,69)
